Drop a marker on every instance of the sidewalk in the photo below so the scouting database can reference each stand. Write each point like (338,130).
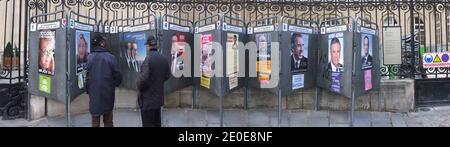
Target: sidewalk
(434,117)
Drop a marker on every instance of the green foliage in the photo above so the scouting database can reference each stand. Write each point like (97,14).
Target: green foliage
(8,51)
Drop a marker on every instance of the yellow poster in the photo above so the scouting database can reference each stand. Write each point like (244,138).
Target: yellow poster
(263,69)
(205,82)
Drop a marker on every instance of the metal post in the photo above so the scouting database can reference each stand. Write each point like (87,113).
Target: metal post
(25,61)
(194,96)
(161,110)
(221,110)
(413,61)
(352,117)
(279,107)
(68,99)
(391,71)
(68,119)
(246,98)
(380,95)
(317,107)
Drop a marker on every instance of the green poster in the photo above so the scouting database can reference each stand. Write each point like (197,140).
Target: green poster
(45,83)
(422,51)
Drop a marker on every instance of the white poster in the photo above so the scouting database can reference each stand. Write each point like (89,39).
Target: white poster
(298,81)
(392,45)
(233,81)
(232,59)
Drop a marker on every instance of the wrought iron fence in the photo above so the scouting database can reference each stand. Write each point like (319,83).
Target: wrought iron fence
(13,43)
(424,23)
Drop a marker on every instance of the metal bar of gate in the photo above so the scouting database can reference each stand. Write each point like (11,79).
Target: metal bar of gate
(411,12)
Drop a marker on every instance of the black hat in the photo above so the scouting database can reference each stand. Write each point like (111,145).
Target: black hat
(151,41)
(97,40)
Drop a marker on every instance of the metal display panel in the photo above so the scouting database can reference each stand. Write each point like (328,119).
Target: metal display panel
(226,32)
(367,73)
(264,32)
(336,54)
(207,37)
(350,73)
(176,43)
(348,63)
(299,42)
(233,33)
(217,38)
(129,37)
(80,31)
(48,56)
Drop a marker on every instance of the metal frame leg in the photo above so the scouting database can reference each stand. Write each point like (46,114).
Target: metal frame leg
(317,107)
(279,108)
(194,97)
(352,112)
(221,111)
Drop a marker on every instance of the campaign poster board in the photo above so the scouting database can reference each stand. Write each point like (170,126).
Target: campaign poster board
(367,66)
(48,63)
(300,46)
(132,51)
(207,37)
(336,59)
(264,36)
(232,35)
(177,45)
(80,47)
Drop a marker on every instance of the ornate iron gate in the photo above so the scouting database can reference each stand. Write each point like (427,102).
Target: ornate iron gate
(424,27)
(13,91)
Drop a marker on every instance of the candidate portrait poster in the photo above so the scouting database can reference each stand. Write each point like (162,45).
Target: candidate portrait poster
(299,52)
(135,50)
(47,52)
(263,63)
(177,52)
(336,52)
(366,51)
(82,50)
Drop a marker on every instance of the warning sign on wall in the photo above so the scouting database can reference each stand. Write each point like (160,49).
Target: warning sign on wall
(433,60)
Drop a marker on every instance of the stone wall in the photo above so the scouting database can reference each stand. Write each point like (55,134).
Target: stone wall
(396,96)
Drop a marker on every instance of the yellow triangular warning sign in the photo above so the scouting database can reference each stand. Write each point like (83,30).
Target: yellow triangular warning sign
(437,59)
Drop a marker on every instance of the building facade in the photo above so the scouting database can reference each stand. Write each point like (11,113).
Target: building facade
(426,21)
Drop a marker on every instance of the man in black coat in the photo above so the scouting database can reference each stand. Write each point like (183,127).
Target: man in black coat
(155,71)
(103,77)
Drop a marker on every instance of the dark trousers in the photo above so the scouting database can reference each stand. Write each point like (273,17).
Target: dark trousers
(151,118)
(107,120)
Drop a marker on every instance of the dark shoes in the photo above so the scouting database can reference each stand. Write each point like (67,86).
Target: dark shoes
(107,120)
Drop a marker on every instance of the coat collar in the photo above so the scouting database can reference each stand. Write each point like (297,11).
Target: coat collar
(100,49)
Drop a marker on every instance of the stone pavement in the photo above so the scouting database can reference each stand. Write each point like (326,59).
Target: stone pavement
(426,117)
